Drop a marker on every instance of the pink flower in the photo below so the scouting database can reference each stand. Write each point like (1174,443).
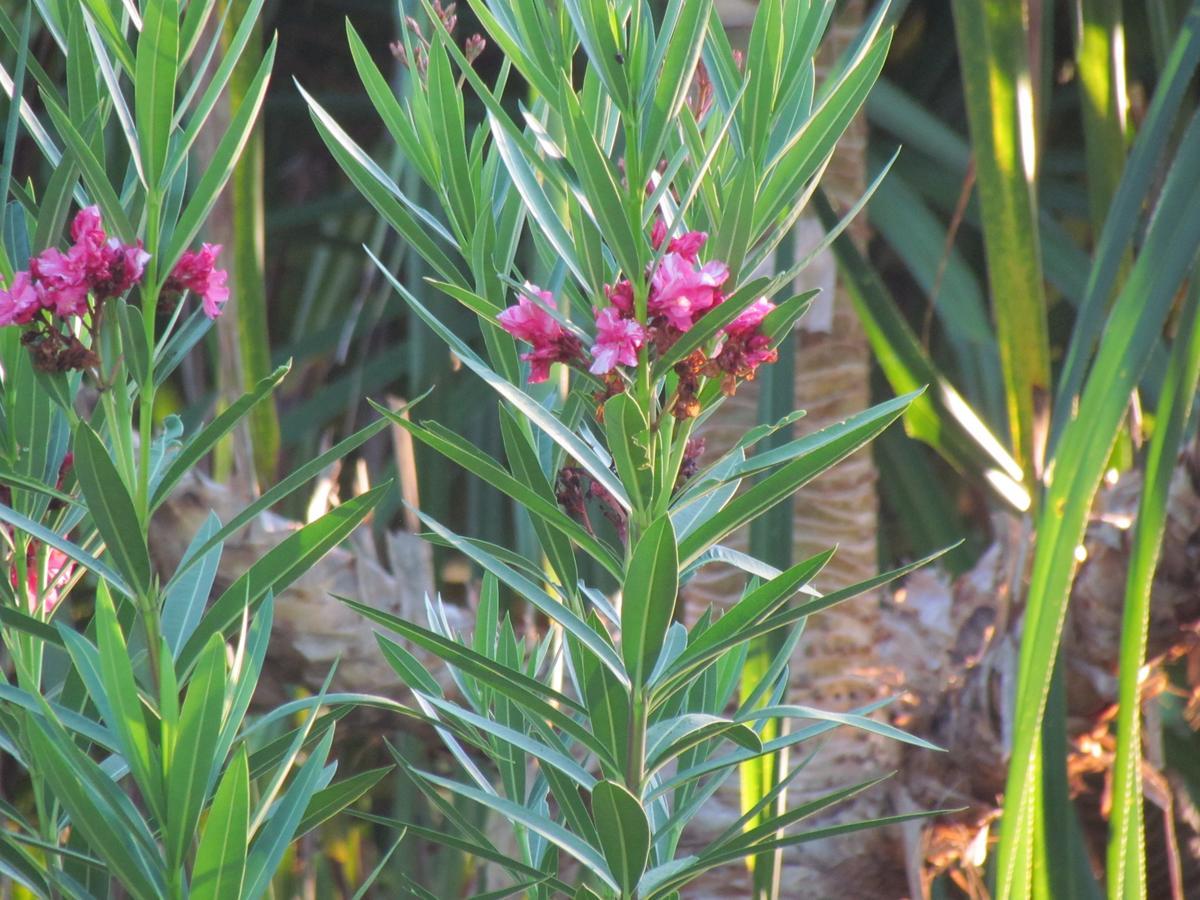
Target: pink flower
(62,279)
(20,302)
(196,271)
(620,295)
(743,346)
(529,322)
(87,230)
(750,318)
(59,569)
(658,233)
(682,293)
(617,341)
(90,241)
(688,245)
(121,267)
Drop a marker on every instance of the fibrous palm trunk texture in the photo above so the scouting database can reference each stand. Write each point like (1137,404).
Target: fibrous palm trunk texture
(837,665)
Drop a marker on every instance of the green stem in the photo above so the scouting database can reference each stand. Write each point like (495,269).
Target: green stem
(150,290)
(635,765)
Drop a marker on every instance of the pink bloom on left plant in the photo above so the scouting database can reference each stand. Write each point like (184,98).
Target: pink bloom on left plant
(529,322)
(59,570)
(62,279)
(20,301)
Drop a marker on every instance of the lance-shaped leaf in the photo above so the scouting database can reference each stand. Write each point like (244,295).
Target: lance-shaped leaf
(76,781)
(112,508)
(750,610)
(221,166)
(624,832)
(280,491)
(279,567)
(535,822)
(830,446)
(220,867)
(280,830)
(537,596)
(125,715)
(154,84)
(328,802)
(195,449)
(193,764)
(648,598)
(535,411)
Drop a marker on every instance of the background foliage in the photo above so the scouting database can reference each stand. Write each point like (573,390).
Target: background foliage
(1043,291)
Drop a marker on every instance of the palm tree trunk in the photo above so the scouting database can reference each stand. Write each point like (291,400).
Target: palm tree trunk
(837,666)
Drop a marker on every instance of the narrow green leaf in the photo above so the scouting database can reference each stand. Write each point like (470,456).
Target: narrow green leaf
(1144,167)
(279,567)
(1130,337)
(154,84)
(993,48)
(280,491)
(519,740)
(414,224)
(751,609)
(230,55)
(539,824)
(940,416)
(186,595)
(328,802)
(829,446)
(1127,839)
(204,440)
(74,778)
(220,868)
(13,618)
(192,765)
(133,340)
(112,509)
(535,411)
(624,833)
(648,598)
(100,12)
(94,175)
(599,184)
(461,451)
(220,166)
(628,435)
(281,828)
(537,596)
(670,738)
(128,721)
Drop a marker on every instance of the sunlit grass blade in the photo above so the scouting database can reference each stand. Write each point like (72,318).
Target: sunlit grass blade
(1144,166)
(992,44)
(939,416)
(1127,839)
(1130,336)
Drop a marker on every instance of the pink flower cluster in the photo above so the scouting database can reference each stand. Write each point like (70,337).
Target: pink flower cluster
(196,271)
(533,324)
(96,266)
(59,569)
(681,291)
